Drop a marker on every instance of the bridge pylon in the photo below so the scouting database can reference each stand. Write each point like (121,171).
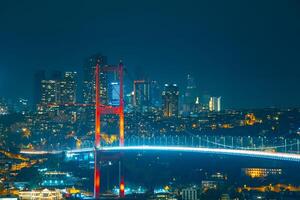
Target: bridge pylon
(104,110)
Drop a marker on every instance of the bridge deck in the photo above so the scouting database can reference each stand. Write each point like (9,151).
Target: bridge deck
(235,152)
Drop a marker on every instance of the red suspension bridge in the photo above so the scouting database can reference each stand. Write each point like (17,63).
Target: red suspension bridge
(161,144)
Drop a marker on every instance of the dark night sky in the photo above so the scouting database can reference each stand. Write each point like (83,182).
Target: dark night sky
(245,51)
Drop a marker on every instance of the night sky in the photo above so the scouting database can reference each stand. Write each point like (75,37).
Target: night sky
(246,51)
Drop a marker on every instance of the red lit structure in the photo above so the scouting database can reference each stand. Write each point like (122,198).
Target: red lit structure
(104,110)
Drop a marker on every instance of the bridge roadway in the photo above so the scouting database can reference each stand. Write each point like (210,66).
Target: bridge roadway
(154,148)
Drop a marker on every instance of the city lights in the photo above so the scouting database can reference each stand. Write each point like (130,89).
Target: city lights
(149,100)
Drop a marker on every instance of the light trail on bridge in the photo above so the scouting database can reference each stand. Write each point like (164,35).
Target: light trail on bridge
(218,151)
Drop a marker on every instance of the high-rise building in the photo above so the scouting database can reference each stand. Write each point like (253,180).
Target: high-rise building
(155,94)
(141,95)
(38,77)
(68,87)
(89,79)
(114,93)
(50,91)
(215,104)
(59,91)
(190,95)
(204,100)
(170,97)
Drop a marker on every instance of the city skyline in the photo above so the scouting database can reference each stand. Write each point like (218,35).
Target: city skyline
(250,63)
(149,100)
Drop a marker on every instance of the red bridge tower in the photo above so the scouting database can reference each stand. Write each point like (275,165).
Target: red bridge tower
(104,110)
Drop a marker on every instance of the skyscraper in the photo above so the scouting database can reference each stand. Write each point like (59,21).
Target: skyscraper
(205,98)
(114,93)
(38,77)
(215,104)
(59,91)
(190,95)
(155,94)
(141,94)
(170,98)
(49,92)
(89,79)
(68,87)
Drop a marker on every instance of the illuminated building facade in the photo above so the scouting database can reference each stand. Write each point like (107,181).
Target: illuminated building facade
(141,95)
(50,91)
(41,194)
(56,179)
(190,95)
(215,104)
(60,90)
(67,88)
(89,79)
(170,98)
(190,194)
(261,172)
(208,184)
(114,93)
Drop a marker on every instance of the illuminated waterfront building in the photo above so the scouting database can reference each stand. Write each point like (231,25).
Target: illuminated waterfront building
(57,179)
(41,194)
(170,97)
(261,172)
